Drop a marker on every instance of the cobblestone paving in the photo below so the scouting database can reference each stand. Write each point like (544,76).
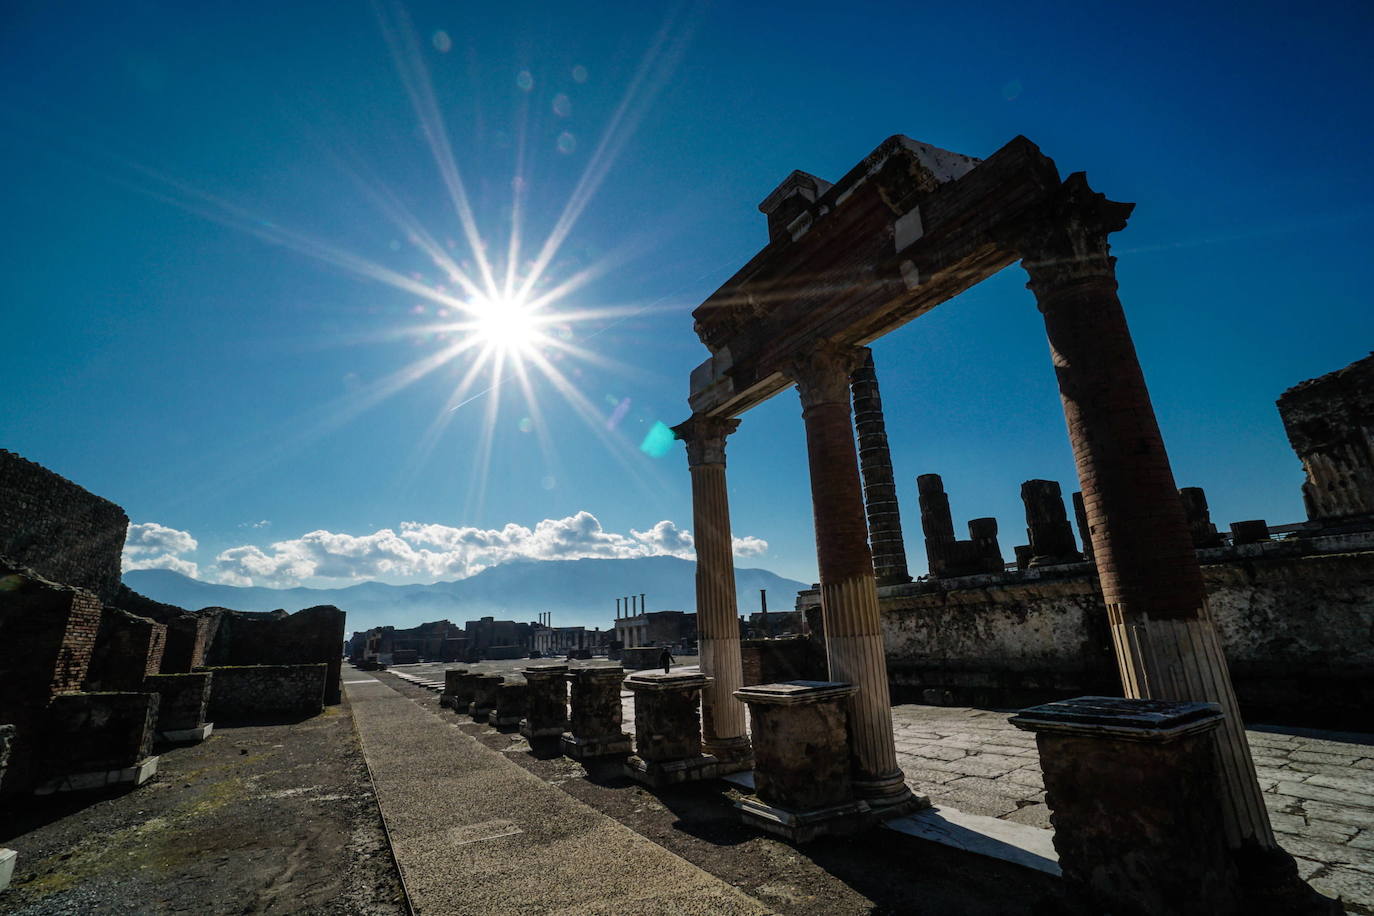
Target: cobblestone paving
(1319,785)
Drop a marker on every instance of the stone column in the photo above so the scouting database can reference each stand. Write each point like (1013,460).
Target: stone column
(594,725)
(880,490)
(723,730)
(1080,517)
(1047,524)
(849,592)
(508,708)
(936,522)
(1166,644)
(983,533)
(546,702)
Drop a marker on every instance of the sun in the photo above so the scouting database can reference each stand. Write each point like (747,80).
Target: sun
(506,324)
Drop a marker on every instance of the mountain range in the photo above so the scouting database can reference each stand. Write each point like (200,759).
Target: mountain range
(577,592)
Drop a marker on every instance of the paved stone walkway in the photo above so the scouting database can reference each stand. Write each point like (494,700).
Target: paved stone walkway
(1319,785)
(474,832)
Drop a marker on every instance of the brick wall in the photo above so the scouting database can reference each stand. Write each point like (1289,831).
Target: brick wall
(187,634)
(266,692)
(128,648)
(58,529)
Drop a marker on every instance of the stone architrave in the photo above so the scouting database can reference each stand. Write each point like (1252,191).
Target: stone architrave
(452,678)
(1166,644)
(668,729)
(1047,525)
(880,489)
(594,724)
(546,702)
(723,727)
(801,796)
(1132,787)
(849,592)
(484,688)
(508,709)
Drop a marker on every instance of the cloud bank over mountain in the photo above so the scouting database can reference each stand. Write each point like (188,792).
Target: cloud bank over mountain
(417,552)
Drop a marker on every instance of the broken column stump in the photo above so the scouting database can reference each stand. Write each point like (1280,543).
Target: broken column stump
(801,795)
(464,689)
(1047,525)
(1135,799)
(668,729)
(594,724)
(452,678)
(484,688)
(509,707)
(546,702)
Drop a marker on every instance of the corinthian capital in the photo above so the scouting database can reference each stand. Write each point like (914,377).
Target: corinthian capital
(822,372)
(705,438)
(1065,243)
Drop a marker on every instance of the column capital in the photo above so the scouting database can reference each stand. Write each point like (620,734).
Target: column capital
(705,438)
(822,373)
(1065,242)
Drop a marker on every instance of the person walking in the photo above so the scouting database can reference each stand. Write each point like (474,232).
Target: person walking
(665,658)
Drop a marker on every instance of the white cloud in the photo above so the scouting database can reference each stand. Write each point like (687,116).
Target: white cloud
(426,552)
(149,545)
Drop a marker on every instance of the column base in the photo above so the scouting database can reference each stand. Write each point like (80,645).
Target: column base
(7,857)
(478,714)
(187,735)
(504,721)
(889,796)
(659,773)
(733,755)
(548,731)
(803,826)
(131,776)
(602,746)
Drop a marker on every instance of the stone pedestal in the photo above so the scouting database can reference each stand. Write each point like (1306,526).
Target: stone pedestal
(484,688)
(509,707)
(464,689)
(452,678)
(1135,799)
(546,702)
(668,729)
(802,783)
(594,723)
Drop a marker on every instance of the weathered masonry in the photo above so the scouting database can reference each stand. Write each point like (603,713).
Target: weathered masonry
(906,229)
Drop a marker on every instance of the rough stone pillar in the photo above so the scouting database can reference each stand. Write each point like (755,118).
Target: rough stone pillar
(546,702)
(936,522)
(849,592)
(452,678)
(668,729)
(1080,517)
(723,728)
(484,688)
(1132,787)
(880,490)
(983,533)
(508,708)
(1166,644)
(1199,517)
(801,796)
(594,726)
(464,690)
(1047,524)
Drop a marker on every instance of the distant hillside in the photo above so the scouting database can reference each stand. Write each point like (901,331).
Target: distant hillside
(576,591)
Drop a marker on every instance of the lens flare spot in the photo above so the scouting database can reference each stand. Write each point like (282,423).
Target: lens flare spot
(442,43)
(658,441)
(579,74)
(1011,90)
(548,483)
(566,143)
(525,80)
(525,424)
(562,105)
(618,414)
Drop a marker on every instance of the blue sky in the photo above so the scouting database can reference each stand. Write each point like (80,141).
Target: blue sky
(195,218)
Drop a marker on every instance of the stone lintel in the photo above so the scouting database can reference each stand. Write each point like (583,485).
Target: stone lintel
(657,680)
(804,826)
(135,775)
(794,693)
(1119,718)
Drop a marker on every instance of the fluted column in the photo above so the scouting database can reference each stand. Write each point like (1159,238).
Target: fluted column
(1166,644)
(880,490)
(722,716)
(849,592)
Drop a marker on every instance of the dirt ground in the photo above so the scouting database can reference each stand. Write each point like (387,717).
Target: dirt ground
(880,872)
(272,818)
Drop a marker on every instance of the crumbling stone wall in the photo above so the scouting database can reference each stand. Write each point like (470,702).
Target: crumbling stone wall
(315,634)
(90,732)
(1295,617)
(60,530)
(185,699)
(254,692)
(128,648)
(1330,424)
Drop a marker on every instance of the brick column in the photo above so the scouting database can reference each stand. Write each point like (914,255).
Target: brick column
(849,592)
(723,730)
(880,490)
(1166,644)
